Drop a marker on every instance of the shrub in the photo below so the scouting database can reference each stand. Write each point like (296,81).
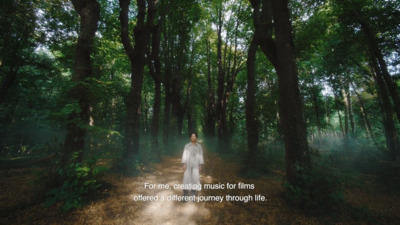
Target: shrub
(318,190)
(76,180)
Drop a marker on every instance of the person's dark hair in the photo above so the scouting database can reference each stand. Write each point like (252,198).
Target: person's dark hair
(190,135)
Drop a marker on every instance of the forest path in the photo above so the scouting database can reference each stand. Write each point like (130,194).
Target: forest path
(118,205)
(122,206)
(167,211)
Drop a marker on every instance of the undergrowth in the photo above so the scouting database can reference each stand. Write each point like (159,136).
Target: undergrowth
(317,191)
(75,182)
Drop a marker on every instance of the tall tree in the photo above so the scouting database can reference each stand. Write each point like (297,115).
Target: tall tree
(229,63)
(167,59)
(358,13)
(392,138)
(290,102)
(89,12)
(209,128)
(180,18)
(376,55)
(280,52)
(137,58)
(155,71)
(17,26)
(251,122)
(220,114)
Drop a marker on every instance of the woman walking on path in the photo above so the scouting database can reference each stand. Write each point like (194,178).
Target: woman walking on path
(192,161)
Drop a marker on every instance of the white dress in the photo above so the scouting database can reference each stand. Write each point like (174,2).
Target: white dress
(193,157)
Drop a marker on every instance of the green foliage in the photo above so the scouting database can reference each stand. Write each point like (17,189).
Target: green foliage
(144,158)
(373,164)
(63,114)
(317,190)
(78,180)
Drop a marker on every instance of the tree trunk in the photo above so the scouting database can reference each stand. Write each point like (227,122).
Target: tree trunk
(280,53)
(229,64)
(137,59)
(167,89)
(380,67)
(155,71)
(290,101)
(346,114)
(264,23)
(144,108)
(340,117)
(177,107)
(89,12)
(210,107)
(392,139)
(351,114)
(179,63)
(188,106)
(368,127)
(167,111)
(231,70)
(251,122)
(7,83)
(350,107)
(188,102)
(314,95)
(221,116)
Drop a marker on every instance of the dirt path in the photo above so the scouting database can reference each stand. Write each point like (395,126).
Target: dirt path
(120,205)
(167,211)
(123,206)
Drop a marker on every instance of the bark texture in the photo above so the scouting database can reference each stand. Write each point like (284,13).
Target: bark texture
(89,12)
(137,58)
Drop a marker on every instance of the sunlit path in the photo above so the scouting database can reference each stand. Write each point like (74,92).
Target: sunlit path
(122,208)
(167,211)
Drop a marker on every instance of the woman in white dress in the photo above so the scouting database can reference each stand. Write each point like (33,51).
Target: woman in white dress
(192,161)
